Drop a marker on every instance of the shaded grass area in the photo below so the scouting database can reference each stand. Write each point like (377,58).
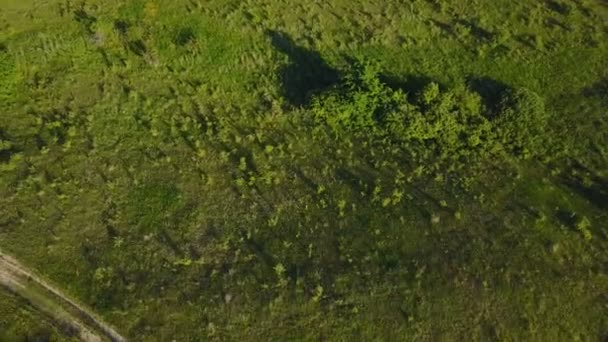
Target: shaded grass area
(174,165)
(21,322)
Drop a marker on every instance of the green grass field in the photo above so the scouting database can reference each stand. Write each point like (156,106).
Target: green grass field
(323,170)
(19,321)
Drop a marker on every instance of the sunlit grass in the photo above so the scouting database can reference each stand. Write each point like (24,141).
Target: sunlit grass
(201,169)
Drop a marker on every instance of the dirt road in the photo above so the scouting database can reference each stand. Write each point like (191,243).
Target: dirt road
(83,323)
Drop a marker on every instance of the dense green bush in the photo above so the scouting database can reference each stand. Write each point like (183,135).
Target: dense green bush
(183,168)
(451,124)
(448,123)
(523,122)
(359,104)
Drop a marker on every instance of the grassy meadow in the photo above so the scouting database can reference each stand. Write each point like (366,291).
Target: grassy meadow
(341,170)
(19,321)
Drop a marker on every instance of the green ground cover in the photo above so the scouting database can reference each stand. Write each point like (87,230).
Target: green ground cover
(276,170)
(19,321)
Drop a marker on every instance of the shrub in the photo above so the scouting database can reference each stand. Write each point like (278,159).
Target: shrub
(359,103)
(444,123)
(448,125)
(522,122)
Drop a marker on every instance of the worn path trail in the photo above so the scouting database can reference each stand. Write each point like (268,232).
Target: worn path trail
(50,301)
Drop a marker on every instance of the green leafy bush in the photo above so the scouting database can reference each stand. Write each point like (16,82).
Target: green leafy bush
(522,122)
(451,124)
(361,102)
(448,123)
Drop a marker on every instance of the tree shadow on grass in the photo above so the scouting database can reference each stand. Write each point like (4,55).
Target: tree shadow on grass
(85,19)
(477,31)
(596,191)
(7,151)
(567,218)
(491,91)
(447,29)
(598,89)
(558,7)
(411,84)
(307,72)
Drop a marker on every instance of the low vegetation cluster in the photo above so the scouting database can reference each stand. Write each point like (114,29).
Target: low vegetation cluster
(276,170)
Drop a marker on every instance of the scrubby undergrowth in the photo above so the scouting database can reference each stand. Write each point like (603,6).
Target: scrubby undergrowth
(286,170)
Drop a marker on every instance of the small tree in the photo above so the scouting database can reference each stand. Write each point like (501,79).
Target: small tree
(522,122)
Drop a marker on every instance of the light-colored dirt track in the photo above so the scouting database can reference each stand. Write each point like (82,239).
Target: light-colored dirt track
(18,279)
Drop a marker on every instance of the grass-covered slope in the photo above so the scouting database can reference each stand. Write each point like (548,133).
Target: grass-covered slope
(19,321)
(420,170)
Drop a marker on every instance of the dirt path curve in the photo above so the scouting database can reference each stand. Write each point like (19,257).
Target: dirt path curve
(52,302)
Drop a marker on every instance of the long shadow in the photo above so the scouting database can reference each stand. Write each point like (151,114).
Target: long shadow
(6,153)
(491,91)
(85,19)
(558,7)
(567,218)
(477,31)
(410,84)
(596,193)
(598,89)
(307,72)
(527,40)
(552,23)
